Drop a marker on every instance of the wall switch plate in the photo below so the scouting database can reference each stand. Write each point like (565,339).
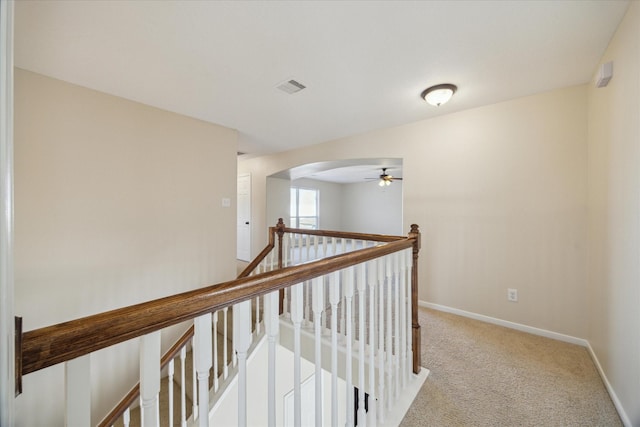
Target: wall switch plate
(512,295)
(226,202)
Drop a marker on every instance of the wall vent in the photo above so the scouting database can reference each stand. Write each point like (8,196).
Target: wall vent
(291,86)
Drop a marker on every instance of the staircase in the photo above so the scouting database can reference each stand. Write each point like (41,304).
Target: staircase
(341,305)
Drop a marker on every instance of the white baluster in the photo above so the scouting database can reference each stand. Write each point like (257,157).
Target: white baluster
(296,319)
(342,317)
(298,253)
(285,299)
(306,313)
(272,329)
(308,246)
(287,240)
(315,247)
(126,417)
(318,308)
(403,319)
(396,323)
(194,382)
(241,342)
(388,337)
(381,388)
(183,384)
(203,363)
(334,242)
(348,300)
(334,298)
(324,246)
(257,324)
(225,339)
(216,359)
(78,391)
(150,378)
(372,276)
(362,414)
(409,263)
(170,370)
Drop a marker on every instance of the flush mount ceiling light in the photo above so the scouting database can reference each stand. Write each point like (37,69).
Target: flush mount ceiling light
(439,94)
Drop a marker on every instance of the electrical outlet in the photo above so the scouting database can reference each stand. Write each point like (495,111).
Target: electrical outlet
(512,295)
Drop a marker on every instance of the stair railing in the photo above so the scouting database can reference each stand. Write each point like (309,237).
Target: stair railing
(72,341)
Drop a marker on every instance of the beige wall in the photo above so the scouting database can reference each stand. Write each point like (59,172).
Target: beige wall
(116,203)
(614,217)
(500,195)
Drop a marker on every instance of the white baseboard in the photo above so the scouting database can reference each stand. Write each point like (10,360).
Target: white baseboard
(616,402)
(544,333)
(507,324)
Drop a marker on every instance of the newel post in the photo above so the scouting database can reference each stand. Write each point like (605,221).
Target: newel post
(415,324)
(280,231)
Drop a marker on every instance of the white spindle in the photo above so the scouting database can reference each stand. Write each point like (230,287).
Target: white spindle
(203,361)
(150,378)
(286,240)
(225,339)
(334,298)
(308,246)
(78,391)
(324,246)
(170,372)
(141,412)
(306,318)
(388,331)
(348,300)
(241,342)
(296,319)
(381,388)
(183,385)
(362,415)
(318,308)
(126,417)
(216,359)
(403,318)
(272,327)
(410,349)
(396,323)
(194,380)
(372,270)
(298,254)
(257,324)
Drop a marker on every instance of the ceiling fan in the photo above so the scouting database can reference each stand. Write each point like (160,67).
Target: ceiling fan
(385,179)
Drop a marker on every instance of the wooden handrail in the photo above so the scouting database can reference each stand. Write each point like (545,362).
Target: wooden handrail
(346,235)
(59,343)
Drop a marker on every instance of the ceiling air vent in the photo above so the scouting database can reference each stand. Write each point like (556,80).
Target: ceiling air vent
(291,86)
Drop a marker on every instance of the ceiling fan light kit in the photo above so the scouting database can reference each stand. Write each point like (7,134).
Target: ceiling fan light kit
(385,179)
(439,94)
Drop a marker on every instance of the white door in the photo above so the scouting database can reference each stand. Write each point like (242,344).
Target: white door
(244,217)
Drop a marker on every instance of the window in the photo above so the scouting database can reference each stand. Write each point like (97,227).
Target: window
(304,208)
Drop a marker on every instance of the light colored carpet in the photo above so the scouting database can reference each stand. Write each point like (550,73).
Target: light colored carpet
(488,375)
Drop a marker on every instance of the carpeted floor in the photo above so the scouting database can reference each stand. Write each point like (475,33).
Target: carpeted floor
(488,375)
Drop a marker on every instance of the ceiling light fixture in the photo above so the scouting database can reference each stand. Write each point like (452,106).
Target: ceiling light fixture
(439,94)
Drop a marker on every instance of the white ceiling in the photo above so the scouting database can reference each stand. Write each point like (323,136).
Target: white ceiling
(364,63)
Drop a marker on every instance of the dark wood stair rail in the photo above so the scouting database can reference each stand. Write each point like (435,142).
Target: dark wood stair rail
(48,346)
